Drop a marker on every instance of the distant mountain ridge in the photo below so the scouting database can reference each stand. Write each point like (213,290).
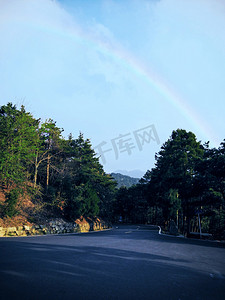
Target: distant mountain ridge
(132,173)
(124,180)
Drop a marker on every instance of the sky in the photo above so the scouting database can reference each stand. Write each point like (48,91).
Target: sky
(124,73)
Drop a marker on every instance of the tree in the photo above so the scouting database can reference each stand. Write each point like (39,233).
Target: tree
(18,135)
(175,173)
(51,141)
(210,185)
(85,187)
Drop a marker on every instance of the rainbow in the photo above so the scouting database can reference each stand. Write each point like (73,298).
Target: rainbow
(128,61)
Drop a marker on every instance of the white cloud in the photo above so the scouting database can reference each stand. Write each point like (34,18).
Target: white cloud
(42,12)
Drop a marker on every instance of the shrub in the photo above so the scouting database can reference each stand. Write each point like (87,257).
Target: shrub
(11,203)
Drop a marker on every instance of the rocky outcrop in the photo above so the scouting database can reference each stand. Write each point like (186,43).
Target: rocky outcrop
(91,224)
(55,226)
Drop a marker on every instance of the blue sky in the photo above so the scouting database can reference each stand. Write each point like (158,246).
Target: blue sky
(115,69)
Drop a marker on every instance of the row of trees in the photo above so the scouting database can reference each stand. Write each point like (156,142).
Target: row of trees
(64,175)
(187,182)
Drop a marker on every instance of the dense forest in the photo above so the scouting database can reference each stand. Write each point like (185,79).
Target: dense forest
(63,177)
(186,186)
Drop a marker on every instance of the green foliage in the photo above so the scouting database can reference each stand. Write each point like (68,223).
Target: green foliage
(188,177)
(17,144)
(217,223)
(11,203)
(174,203)
(131,205)
(83,203)
(91,200)
(174,175)
(65,173)
(89,190)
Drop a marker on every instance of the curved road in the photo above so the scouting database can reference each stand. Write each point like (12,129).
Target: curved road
(128,262)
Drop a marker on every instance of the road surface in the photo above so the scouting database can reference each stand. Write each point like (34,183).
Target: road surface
(128,262)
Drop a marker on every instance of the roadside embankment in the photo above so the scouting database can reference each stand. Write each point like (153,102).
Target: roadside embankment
(54,226)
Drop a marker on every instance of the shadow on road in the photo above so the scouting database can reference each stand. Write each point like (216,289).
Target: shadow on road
(152,233)
(52,268)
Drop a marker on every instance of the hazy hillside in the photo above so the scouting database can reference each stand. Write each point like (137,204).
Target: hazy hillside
(131,173)
(124,180)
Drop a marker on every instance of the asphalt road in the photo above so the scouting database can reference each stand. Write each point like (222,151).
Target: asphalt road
(128,262)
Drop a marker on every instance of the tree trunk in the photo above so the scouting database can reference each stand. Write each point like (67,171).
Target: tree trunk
(36,171)
(48,168)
